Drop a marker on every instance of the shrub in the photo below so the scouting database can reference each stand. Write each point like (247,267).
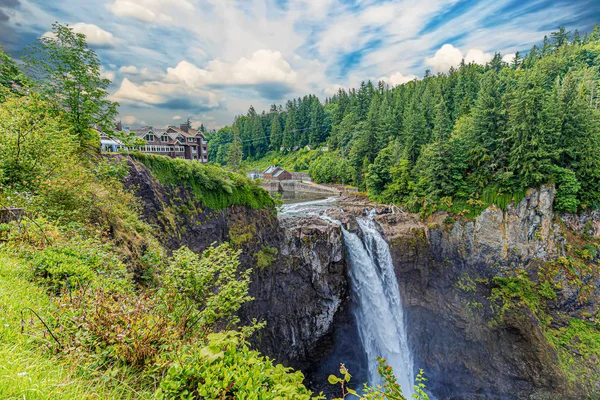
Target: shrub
(214,187)
(389,390)
(71,265)
(61,268)
(34,147)
(226,368)
(210,285)
(330,168)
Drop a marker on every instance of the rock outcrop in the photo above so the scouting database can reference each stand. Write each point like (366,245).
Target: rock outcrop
(301,293)
(445,271)
(299,279)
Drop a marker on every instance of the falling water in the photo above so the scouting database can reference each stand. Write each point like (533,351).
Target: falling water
(378,306)
(378,311)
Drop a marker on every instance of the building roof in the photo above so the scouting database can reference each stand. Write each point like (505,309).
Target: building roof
(172,131)
(142,131)
(271,169)
(276,174)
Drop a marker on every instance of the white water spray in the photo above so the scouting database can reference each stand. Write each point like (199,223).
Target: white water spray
(379,314)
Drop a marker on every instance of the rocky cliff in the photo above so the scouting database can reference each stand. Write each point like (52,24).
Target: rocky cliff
(495,305)
(479,323)
(299,274)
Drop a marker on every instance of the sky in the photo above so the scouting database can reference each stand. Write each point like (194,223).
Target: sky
(209,60)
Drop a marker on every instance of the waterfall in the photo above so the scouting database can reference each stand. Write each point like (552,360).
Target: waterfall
(379,314)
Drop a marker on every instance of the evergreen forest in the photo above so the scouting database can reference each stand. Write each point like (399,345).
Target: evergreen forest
(477,133)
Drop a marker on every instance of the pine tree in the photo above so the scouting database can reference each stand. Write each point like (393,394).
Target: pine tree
(234,158)
(415,128)
(489,122)
(276,132)
(289,133)
(317,123)
(579,139)
(516,61)
(560,37)
(533,127)
(442,126)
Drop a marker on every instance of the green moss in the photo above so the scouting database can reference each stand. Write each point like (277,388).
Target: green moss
(466,284)
(513,292)
(213,186)
(578,348)
(266,257)
(240,233)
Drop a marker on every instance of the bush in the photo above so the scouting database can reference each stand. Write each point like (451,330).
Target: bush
(34,147)
(71,265)
(226,368)
(214,187)
(330,168)
(61,268)
(210,285)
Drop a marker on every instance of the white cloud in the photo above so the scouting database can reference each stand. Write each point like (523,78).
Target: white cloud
(128,69)
(398,78)
(177,117)
(508,58)
(332,89)
(158,11)
(146,93)
(478,57)
(104,74)
(446,57)
(449,56)
(166,94)
(94,35)
(264,66)
(130,119)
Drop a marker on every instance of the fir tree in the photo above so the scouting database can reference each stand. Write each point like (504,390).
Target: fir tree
(234,158)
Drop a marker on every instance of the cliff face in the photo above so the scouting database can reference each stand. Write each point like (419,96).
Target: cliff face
(299,275)
(470,344)
(446,272)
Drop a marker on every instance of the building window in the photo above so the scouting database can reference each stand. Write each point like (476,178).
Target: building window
(164,138)
(150,137)
(191,140)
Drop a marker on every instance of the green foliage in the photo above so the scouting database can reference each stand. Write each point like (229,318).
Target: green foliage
(71,267)
(578,347)
(12,79)
(510,293)
(226,368)
(33,146)
(240,233)
(28,369)
(487,133)
(389,390)
(66,72)
(495,195)
(331,169)
(212,284)
(265,257)
(568,186)
(214,187)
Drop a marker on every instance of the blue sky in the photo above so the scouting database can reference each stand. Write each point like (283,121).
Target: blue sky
(209,60)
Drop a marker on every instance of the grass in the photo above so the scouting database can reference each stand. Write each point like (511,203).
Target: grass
(213,186)
(27,369)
